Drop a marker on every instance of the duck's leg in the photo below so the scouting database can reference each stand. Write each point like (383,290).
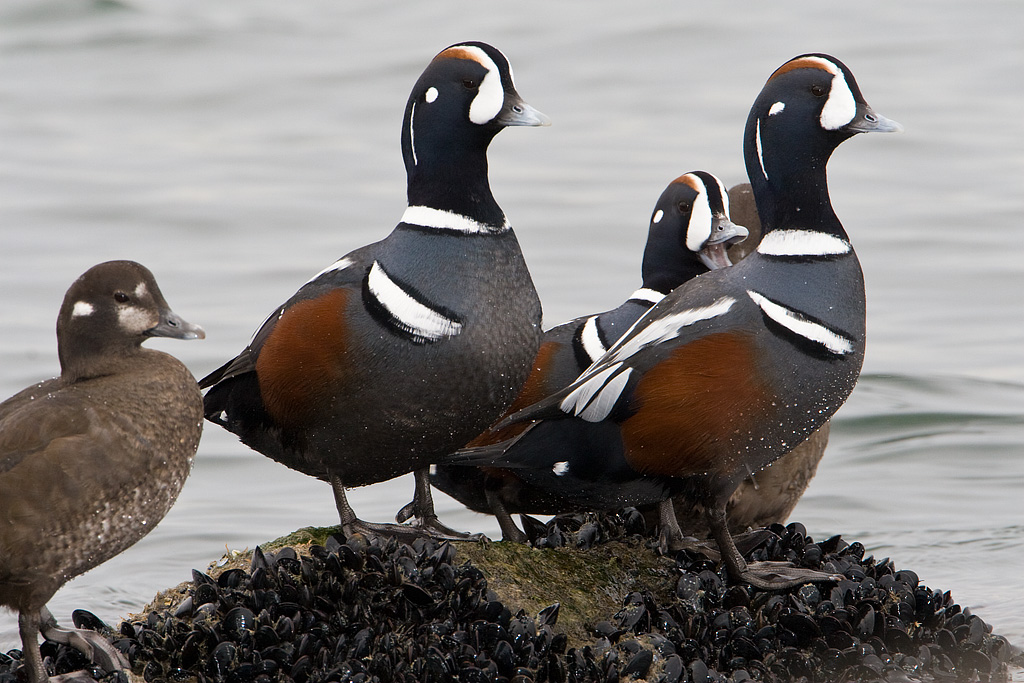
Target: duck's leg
(509,530)
(764,575)
(352,524)
(28,628)
(668,524)
(93,645)
(423,515)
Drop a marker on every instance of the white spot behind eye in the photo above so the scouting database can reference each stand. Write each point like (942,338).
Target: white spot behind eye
(658,215)
(430,95)
(560,468)
(776,108)
(82,308)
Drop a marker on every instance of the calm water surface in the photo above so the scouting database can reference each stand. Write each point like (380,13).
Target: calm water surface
(236,148)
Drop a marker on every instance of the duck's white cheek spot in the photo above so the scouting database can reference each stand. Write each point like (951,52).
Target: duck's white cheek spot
(134,319)
(140,290)
(698,231)
(658,215)
(431,95)
(776,108)
(488,101)
(81,309)
(841,107)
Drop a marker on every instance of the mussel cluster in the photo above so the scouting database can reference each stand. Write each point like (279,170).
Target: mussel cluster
(375,609)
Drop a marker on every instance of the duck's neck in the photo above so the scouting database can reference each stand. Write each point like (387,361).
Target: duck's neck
(448,171)
(668,264)
(789,182)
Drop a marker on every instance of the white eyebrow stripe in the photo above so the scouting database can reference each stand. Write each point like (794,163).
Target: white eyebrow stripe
(590,339)
(406,312)
(82,309)
(795,242)
(796,322)
(438,219)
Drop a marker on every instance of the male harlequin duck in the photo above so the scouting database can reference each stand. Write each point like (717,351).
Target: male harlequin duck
(403,350)
(90,461)
(733,369)
(689,232)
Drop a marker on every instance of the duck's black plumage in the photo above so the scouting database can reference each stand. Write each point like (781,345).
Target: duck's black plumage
(688,234)
(90,461)
(735,368)
(407,348)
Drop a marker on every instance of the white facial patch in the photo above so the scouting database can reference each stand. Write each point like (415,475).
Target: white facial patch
(698,230)
(757,144)
(140,290)
(796,322)
(802,243)
(81,309)
(776,108)
(135,319)
(490,95)
(658,215)
(841,107)
(560,469)
(430,95)
(590,338)
(438,219)
(406,312)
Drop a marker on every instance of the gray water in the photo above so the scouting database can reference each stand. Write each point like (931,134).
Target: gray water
(237,147)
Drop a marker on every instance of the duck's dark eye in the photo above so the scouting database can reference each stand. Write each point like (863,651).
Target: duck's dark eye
(469,83)
(817,90)
(121,297)
(683,207)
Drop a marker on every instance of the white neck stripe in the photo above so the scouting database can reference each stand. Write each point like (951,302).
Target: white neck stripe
(796,322)
(651,296)
(760,154)
(590,338)
(438,219)
(412,133)
(407,313)
(802,243)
